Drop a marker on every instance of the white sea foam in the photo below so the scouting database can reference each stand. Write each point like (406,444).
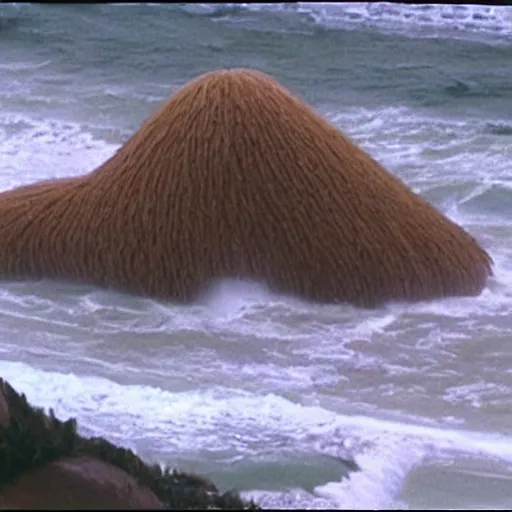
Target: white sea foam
(281,347)
(421,19)
(222,419)
(23,66)
(35,149)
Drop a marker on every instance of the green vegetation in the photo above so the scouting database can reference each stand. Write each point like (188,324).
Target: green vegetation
(35,438)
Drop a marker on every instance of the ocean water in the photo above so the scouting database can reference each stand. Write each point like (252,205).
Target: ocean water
(261,392)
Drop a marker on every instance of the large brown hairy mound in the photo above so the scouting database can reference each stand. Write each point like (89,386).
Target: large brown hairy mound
(235,177)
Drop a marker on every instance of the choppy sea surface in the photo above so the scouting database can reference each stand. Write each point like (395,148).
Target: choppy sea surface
(261,392)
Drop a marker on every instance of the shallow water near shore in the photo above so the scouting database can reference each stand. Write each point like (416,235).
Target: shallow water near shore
(261,392)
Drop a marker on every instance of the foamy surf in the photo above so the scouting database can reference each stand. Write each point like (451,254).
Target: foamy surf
(245,365)
(237,422)
(36,149)
(24,66)
(469,17)
(426,20)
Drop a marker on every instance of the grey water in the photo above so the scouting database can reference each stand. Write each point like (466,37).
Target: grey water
(261,392)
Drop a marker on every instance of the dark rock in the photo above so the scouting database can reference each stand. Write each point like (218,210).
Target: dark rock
(46,464)
(4,409)
(81,482)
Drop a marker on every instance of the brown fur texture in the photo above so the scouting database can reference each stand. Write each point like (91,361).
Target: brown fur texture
(235,177)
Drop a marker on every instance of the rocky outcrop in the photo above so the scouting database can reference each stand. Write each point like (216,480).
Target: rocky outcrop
(46,464)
